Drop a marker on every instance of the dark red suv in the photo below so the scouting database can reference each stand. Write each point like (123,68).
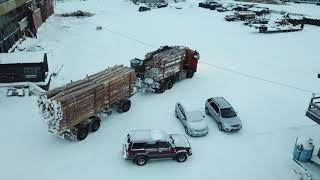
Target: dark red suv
(144,145)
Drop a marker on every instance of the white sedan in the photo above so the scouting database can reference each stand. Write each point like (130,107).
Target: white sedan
(193,121)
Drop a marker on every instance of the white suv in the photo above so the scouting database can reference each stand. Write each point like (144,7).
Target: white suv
(223,113)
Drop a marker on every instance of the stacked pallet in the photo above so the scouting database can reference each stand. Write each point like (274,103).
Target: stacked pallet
(65,107)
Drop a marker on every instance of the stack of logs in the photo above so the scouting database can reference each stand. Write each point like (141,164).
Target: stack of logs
(166,63)
(65,107)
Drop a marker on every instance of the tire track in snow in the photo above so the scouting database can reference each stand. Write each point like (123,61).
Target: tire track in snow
(270,132)
(258,78)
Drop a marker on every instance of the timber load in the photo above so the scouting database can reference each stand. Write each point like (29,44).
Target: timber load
(72,110)
(161,68)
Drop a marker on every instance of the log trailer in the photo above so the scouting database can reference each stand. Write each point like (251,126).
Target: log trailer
(19,70)
(73,110)
(160,69)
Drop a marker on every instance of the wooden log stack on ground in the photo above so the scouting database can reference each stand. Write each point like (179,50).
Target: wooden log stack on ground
(71,108)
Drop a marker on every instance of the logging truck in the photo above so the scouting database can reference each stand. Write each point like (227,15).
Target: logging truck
(160,69)
(72,111)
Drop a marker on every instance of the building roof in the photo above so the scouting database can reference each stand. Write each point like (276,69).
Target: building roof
(246,13)
(148,135)
(222,102)
(258,9)
(21,57)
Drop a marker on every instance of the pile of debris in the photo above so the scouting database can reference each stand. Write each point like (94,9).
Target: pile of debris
(78,14)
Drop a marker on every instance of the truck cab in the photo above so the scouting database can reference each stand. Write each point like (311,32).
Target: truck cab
(191,60)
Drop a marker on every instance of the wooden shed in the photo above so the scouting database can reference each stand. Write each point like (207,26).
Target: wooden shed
(23,67)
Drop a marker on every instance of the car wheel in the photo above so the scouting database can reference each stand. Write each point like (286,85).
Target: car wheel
(140,161)
(181,157)
(207,111)
(220,127)
(186,130)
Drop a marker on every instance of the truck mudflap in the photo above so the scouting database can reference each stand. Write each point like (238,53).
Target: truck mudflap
(124,152)
(146,85)
(67,135)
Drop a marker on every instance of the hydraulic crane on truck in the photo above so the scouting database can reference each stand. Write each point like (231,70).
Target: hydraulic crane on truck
(313,111)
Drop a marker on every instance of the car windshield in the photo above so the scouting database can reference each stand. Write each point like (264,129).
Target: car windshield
(228,113)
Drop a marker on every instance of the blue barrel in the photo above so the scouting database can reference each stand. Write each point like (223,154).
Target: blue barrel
(303,150)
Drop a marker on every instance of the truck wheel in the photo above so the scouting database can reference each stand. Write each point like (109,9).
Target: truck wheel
(181,157)
(161,89)
(125,107)
(82,133)
(140,161)
(169,84)
(95,125)
(190,74)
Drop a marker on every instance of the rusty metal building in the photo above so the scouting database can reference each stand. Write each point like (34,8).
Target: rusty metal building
(20,18)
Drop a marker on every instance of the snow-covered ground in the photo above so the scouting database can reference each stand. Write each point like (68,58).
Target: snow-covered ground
(268,79)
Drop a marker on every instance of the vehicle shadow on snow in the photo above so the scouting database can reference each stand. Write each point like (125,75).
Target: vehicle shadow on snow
(213,128)
(157,162)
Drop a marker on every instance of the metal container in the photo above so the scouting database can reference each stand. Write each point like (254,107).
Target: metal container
(303,149)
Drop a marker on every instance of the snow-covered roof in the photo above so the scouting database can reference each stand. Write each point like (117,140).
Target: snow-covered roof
(148,135)
(246,13)
(222,102)
(258,9)
(21,57)
(194,115)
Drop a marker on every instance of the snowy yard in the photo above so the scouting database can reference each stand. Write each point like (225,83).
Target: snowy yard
(268,78)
